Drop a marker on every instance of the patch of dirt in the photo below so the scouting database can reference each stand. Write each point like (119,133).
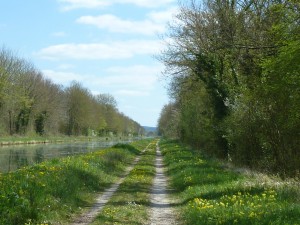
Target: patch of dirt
(161,210)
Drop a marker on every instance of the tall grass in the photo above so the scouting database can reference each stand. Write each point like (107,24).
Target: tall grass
(209,193)
(55,190)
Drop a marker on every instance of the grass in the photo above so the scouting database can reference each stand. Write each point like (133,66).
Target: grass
(130,203)
(53,191)
(209,193)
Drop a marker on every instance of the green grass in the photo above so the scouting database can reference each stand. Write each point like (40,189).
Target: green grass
(56,190)
(209,193)
(130,203)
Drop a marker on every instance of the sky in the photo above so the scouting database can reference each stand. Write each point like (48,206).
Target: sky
(109,46)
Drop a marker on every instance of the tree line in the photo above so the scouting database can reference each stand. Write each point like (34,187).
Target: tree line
(31,104)
(235,81)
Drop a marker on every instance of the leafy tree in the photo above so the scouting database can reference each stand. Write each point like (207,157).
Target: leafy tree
(238,61)
(169,121)
(32,104)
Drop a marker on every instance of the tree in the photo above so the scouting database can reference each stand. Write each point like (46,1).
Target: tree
(31,104)
(78,109)
(168,121)
(237,60)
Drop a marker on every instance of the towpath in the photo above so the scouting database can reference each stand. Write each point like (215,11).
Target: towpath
(161,209)
(89,216)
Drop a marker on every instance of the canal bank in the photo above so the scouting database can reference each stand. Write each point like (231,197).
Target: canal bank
(19,140)
(16,156)
(56,189)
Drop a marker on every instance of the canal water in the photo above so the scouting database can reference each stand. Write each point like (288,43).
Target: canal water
(17,156)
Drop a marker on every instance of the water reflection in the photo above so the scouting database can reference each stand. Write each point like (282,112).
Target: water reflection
(14,157)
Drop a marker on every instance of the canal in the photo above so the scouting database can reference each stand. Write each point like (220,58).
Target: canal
(17,156)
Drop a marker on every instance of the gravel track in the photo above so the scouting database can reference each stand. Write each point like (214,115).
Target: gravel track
(161,212)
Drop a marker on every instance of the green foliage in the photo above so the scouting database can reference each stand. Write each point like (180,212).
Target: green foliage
(209,193)
(29,103)
(238,61)
(52,191)
(168,121)
(263,129)
(40,123)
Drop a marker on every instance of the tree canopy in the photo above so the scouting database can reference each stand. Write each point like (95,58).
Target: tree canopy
(31,104)
(235,80)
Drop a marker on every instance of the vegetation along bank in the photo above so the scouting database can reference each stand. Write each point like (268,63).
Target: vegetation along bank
(54,191)
(208,192)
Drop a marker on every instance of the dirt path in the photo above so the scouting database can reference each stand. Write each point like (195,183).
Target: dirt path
(89,216)
(161,210)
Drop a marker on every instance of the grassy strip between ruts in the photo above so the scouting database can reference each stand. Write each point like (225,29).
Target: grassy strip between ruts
(53,191)
(208,193)
(130,204)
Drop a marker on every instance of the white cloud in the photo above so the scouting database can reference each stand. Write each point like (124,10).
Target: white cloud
(59,34)
(136,80)
(75,4)
(145,3)
(137,70)
(163,16)
(132,78)
(63,78)
(65,66)
(110,50)
(115,24)
(154,23)
(131,81)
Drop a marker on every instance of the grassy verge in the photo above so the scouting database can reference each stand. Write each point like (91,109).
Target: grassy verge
(209,193)
(54,190)
(130,203)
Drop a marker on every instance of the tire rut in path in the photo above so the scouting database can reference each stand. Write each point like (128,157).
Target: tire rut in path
(89,216)
(161,211)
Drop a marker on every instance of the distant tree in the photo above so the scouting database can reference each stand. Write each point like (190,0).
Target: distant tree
(169,121)
(78,109)
(32,104)
(107,100)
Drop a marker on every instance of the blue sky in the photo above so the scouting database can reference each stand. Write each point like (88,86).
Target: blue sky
(107,45)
